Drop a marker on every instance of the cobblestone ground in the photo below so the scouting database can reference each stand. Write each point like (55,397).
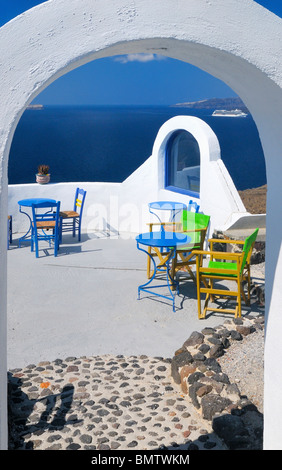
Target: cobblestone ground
(103,403)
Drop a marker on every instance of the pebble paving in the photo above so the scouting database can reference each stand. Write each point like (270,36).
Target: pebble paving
(103,403)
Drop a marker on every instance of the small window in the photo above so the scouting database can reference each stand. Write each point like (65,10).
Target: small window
(183,164)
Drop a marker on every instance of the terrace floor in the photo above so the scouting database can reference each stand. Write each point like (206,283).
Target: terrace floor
(84,303)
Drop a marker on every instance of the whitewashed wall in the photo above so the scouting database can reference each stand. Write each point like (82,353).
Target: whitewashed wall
(100,201)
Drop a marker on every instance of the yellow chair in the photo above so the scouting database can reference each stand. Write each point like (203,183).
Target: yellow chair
(235,267)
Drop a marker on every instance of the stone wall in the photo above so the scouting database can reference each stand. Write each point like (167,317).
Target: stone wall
(258,253)
(195,368)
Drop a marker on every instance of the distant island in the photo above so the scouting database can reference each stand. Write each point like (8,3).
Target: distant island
(35,106)
(216,103)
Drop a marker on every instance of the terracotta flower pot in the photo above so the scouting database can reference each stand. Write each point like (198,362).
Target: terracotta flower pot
(42,179)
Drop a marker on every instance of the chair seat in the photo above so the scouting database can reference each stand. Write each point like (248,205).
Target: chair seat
(187,248)
(222,266)
(195,243)
(46,224)
(192,246)
(69,214)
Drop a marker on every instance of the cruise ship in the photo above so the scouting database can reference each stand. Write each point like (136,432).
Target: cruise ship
(229,113)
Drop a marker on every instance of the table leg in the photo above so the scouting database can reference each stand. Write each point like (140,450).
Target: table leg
(25,236)
(170,281)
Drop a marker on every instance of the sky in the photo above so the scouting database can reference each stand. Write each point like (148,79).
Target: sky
(134,79)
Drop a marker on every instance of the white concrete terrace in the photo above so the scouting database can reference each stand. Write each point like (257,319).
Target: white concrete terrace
(84,303)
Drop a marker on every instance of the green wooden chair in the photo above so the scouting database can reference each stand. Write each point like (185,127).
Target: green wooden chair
(195,225)
(232,266)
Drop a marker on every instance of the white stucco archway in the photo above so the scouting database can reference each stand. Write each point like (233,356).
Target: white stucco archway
(237,41)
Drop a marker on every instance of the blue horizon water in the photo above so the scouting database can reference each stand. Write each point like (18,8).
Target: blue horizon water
(108,143)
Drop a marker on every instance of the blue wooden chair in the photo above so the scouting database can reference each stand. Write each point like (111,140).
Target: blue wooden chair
(193,204)
(9,231)
(71,220)
(45,225)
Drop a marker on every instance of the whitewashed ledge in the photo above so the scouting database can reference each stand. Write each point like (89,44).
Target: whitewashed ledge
(196,369)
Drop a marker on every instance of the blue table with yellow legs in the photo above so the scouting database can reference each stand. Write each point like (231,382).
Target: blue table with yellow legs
(164,244)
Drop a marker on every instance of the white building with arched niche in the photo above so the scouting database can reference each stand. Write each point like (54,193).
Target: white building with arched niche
(237,41)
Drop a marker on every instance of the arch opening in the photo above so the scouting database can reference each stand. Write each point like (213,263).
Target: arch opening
(182,164)
(104,213)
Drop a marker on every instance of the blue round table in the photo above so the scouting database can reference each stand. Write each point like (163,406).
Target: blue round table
(164,245)
(28,203)
(172,206)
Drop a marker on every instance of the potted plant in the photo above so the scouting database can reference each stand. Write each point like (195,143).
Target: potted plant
(43,176)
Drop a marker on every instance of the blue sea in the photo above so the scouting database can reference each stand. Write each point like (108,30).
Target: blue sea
(107,144)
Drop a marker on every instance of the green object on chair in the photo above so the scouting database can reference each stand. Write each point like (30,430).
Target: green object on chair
(235,267)
(195,225)
(188,218)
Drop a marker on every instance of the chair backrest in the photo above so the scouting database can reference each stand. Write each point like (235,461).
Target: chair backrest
(194,220)
(193,204)
(248,247)
(79,200)
(198,223)
(45,216)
